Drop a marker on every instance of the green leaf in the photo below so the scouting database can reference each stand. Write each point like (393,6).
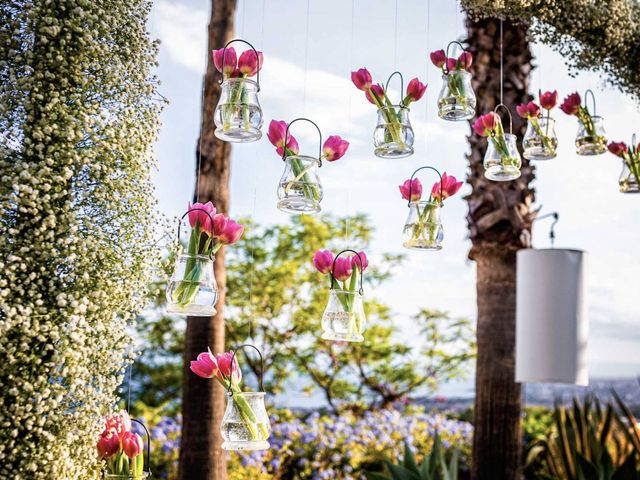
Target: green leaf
(400,473)
(587,469)
(626,471)
(375,476)
(409,459)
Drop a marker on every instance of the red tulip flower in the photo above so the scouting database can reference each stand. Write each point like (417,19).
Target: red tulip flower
(619,149)
(548,100)
(362,79)
(323,261)
(452,64)
(528,110)
(249,64)
(202,218)
(205,366)
(571,104)
(276,133)
(375,94)
(334,148)
(108,443)
(415,91)
(411,190)
(132,444)
(485,124)
(342,269)
(118,422)
(438,58)
(231,233)
(228,368)
(360,262)
(226,65)
(450,187)
(465,60)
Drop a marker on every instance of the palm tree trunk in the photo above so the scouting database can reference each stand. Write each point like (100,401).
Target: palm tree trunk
(201,457)
(499,221)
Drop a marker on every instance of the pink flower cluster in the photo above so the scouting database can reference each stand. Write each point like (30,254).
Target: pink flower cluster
(440,60)
(224,229)
(323,261)
(333,149)
(376,93)
(486,125)
(571,104)
(224,367)
(411,190)
(548,100)
(118,437)
(231,66)
(619,149)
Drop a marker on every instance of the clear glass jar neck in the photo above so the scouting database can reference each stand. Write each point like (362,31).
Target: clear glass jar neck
(425,203)
(199,257)
(305,159)
(247,82)
(462,73)
(355,293)
(394,108)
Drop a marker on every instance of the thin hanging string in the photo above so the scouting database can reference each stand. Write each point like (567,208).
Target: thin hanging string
(200,148)
(252,270)
(501,64)
(395,41)
(457,7)
(306,59)
(244,15)
(539,67)
(346,222)
(349,90)
(426,103)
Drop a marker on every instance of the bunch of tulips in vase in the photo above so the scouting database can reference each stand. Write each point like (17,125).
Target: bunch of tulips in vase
(423,228)
(245,419)
(192,286)
(238,107)
(457,100)
(121,448)
(393,136)
(591,138)
(629,180)
(540,141)
(502,159)
(344,317)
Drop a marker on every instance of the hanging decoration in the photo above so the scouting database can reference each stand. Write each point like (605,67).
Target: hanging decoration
(551,315)
(540,141)
(238,116)
(629,181)
(245,423)
(299,190)
(393,136)
(591,138)
(122,449)
(344,318)
(457,100)
(502,160)
(192,288)
(423,227)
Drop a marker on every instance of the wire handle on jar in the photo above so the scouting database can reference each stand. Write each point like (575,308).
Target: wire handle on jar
(286,139)
(552,233)
(224,57)
(148,444)
(386,85)
(233,357)
(333,267)
(495,110)
(411,182)
(187,213)
(466,61)
(593,98)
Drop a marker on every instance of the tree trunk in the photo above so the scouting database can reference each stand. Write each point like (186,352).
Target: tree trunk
(201,457)
(499,221)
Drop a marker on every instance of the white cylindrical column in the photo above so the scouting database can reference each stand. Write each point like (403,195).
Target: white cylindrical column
(551,316)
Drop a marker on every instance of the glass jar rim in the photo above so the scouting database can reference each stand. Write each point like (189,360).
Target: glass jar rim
(348,292)
(545,118)
(237,79)
(595,117)
(199,256)
(247,394)
(304,158)
(426,202)
(388,107)
(465,73)
(510,136)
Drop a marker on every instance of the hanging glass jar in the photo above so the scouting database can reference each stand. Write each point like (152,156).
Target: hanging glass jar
(245,423)
(122,467)
(238,116)
(540,141)
(502,160)
(591,138)
(192,288)
(629,181)
(393,136)
(344,318)
(423,227)
(457,100)
(299,189)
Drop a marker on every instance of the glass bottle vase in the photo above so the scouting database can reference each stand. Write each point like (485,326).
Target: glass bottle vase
(192,289)
(299,190)
(245,423)
(393,136)
(457,100)
(591,138)
(629,181)
(502,160)
(423,228)
(540,141)
(344,318)
(238,116)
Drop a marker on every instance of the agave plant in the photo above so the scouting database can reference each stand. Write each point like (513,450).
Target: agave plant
(433,466)
(589,442)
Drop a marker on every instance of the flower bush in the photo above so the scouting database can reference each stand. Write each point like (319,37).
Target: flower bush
(78,116)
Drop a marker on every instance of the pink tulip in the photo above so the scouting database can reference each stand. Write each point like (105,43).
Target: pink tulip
(342,269)
(452,64)
(415,90)
(334,148)
(548,100)
(276,133)
(375,94)
(485,124)
(249,64)
(132,444)
(228,65)
(361,79)
(108,443)
(205,366)
(413,188)
(528,110)
(292,147)
(618,148)
(231,233)
(449,187)
(226,371)
(355,261)
(219,224)
(119,422)
(466,60)
(438,58)
(571,104)
(323,261)
(201,218)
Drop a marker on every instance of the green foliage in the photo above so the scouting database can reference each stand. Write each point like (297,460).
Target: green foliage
(433,466)
(588,442)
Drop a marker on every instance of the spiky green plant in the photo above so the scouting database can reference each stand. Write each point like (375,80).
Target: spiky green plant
(433,466)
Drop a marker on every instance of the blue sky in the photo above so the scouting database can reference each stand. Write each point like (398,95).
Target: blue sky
(306,73)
